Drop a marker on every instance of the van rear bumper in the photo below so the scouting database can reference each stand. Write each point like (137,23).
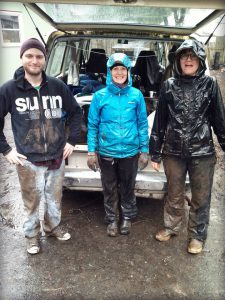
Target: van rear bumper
(79,177)
(147,183)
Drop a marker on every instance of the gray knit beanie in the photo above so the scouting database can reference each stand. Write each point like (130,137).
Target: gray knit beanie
(32,43)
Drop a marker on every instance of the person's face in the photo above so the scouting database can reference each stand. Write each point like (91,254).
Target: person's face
(119,74)
(189,63)
(33,61)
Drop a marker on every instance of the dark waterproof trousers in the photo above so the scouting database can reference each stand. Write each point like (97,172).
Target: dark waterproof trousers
(200,171)
(118,177)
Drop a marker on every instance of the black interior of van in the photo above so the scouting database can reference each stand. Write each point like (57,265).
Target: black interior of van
(149,69)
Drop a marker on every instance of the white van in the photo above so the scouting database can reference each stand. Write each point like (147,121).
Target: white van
(88,32)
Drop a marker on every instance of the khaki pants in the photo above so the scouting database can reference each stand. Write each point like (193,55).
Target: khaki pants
(200,171)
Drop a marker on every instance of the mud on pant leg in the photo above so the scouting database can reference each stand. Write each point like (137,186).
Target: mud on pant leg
(109,180)
(40,187)
(53,197)
(175,170)
(28,175)
(127,172)
(201,171)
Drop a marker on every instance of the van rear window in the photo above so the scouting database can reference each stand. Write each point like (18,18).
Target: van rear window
(141,15)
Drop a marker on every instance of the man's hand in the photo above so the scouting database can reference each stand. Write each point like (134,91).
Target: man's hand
(92,161)
(13,157)
(68,150)
(155,166)
(142,161)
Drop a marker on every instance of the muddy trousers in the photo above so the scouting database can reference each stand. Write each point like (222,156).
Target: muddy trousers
(118,177)
(41,193)
(200,171)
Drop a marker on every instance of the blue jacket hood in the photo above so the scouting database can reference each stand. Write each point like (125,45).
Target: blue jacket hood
(124,60)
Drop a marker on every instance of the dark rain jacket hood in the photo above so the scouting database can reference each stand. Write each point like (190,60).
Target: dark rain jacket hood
(188,108)
(38,117)
(198,48)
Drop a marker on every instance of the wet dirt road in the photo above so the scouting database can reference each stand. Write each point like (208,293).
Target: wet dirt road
(94,266)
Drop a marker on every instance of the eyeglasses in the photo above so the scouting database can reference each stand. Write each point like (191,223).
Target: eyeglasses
(185,56)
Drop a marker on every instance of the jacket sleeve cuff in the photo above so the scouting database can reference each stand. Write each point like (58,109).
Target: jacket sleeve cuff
(71,141)
(7,151)
(156,158)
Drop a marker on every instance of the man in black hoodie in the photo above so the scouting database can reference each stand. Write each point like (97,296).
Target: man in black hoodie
(190,105)
(38,105)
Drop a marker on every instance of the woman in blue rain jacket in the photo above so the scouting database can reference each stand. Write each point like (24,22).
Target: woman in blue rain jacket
(118,140)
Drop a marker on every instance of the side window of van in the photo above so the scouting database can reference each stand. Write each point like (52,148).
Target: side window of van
(56,59)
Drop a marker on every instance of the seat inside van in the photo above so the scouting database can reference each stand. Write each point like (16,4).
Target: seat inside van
(97,61)
(149,70)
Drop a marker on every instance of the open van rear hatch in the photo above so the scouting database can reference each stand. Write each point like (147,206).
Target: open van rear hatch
(165,17)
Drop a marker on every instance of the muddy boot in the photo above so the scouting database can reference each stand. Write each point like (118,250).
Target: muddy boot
(112,229)
(60,233)
(125,227)
(195,246)
(164,235)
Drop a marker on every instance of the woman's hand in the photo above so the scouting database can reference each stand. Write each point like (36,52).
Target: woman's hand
(92,161)
(155,166)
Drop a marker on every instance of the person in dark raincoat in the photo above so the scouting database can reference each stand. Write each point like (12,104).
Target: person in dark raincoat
(118,140)
(190,105)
